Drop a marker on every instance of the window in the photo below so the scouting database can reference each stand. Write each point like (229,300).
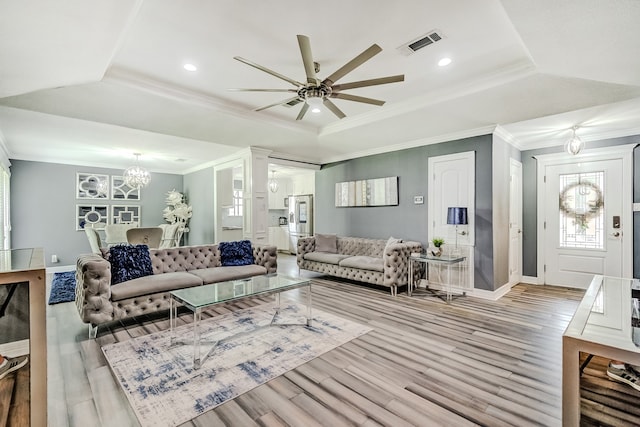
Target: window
(582,210)
(236,208)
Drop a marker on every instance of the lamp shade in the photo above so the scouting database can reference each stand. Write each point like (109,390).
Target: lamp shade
(457,216)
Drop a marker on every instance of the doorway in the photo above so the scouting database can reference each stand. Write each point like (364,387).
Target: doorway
(584,216)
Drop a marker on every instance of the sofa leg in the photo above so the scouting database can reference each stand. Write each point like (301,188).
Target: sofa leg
(394,291)
(93,331)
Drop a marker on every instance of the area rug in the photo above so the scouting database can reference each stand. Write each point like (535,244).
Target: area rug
(164,390)
(63,287)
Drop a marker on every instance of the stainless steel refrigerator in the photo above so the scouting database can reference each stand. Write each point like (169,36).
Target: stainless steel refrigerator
(300,219)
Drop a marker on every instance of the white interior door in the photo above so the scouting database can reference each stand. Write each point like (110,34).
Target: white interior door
(452,184)
(515,222)
(584,227)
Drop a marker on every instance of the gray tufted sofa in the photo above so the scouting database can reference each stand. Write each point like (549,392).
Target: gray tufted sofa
(99,302)
(364,260)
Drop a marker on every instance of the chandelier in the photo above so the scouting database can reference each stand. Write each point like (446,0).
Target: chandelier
(136,176)
(574,144)
(273,184)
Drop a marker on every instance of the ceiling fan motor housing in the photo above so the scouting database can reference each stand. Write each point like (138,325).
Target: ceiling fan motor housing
(323,91)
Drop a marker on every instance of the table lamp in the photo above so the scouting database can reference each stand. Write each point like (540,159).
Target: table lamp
(457,216)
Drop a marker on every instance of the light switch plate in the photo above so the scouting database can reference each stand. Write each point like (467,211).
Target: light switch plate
(418,200)
(636,207)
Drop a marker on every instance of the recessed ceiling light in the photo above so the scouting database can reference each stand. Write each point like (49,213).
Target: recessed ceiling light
(190,67)
(444,62)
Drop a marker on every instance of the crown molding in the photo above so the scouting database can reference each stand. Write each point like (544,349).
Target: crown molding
(485,130)
(507,136)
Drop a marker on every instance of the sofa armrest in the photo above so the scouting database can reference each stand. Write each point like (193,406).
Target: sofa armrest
(266,256)
(305,245)
(93,289)
(396,262)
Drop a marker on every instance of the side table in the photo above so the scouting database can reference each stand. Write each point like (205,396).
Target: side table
(442,260)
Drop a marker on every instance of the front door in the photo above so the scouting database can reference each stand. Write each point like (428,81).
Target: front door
(583,231)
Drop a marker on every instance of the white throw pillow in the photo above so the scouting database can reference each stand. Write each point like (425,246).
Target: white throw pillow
(391,241)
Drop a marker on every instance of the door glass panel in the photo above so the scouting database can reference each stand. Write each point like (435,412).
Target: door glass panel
(581,210)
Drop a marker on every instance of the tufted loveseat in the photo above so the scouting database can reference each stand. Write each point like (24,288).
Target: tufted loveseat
(374,261)
(99,302)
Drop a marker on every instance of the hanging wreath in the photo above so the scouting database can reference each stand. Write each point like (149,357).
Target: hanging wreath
(594,204)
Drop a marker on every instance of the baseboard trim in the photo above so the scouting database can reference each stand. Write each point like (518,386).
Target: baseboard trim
(493,295)
(60,268)
(529,280)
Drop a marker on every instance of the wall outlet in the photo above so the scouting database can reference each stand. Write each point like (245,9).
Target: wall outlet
(54,258)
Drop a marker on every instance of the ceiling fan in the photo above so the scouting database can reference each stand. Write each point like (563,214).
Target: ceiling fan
(314,92)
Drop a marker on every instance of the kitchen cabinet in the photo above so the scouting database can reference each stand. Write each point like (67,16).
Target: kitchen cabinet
(279,237)
(303,184)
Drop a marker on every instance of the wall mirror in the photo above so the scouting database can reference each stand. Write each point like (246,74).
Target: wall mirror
(367,192)
(121,191)
(92,186)
(95,216)
(125,214)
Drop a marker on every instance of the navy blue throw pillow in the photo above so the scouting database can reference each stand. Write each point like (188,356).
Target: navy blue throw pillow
(236,253)
(129,262)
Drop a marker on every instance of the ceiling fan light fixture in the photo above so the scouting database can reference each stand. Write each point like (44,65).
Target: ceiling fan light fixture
(315,103)
(574,145)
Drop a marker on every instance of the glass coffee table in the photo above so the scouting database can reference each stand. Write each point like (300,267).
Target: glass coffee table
(199,298)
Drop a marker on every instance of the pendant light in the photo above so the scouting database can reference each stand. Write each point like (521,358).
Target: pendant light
(136,176)
(574,144)
(273,183)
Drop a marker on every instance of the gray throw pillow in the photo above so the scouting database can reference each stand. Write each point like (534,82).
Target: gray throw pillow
(327,243)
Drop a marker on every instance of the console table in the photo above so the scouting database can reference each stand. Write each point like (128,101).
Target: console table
(600,326)
(27,265)
(442,260)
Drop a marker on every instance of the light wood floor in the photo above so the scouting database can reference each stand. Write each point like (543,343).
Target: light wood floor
(473,362)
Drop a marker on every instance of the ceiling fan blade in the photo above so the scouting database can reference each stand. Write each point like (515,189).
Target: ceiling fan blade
(261,90)
(334,109)
(266,70)
(276,104)
(353,64)
(356,98)
(307,59)
(303,111)
(371,82)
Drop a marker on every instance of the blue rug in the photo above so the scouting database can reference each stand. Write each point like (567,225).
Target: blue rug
(164,389)
(63,287)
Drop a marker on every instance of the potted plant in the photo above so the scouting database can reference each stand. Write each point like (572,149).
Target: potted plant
(437,242)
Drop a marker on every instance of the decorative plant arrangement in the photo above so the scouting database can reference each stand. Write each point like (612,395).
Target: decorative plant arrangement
(177,211)
(437,242)
(581,201)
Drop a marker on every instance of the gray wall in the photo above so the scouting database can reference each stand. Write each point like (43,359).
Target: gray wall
(43,207)
(530,201)
(407,220)
(199,191)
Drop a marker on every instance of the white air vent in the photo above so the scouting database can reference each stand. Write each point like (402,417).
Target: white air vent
(423,41)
